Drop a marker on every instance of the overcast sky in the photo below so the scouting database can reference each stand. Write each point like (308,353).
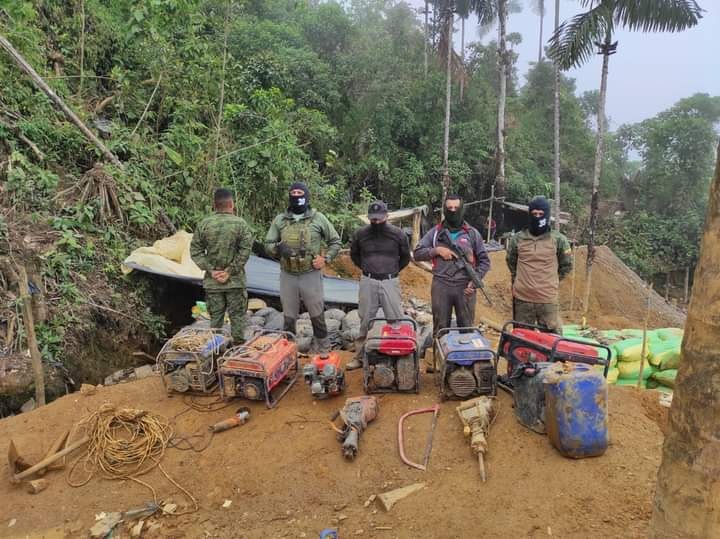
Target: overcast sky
(648,74)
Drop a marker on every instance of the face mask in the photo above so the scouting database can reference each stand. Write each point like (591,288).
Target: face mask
(454,219)
(538,225)
(298,204)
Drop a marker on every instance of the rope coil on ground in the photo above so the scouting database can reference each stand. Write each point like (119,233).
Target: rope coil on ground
(125,443)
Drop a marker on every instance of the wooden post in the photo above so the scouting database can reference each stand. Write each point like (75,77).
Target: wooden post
(687,284)
(574,271)
(643,354)
(31,337)
(42,85)
(667,286)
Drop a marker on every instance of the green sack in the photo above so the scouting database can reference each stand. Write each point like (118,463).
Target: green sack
(629,349)
(658,348)
(669,359)
(631,333)
(611,334)
(666,378)
(631,369)
(666,334)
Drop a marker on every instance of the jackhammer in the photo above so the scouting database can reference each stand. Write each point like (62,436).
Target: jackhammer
(356,414)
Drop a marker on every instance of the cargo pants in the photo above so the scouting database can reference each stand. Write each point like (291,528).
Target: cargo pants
(308,288)
(234,301)
(445,297)
(541,314)
(374,294)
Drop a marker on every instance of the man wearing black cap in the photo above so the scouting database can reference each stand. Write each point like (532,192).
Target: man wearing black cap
(296,237)
(381,251)
(452,287)
(538,258)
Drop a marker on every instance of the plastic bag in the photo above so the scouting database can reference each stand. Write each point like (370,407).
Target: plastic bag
(631,369)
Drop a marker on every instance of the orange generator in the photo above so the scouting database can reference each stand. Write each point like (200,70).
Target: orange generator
(264,368)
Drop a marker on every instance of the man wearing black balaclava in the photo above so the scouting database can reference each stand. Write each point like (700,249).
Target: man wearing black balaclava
(381,250)
(296,238)
(538,258)
(452,287)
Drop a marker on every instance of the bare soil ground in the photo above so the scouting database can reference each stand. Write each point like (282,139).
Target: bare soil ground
(285,475)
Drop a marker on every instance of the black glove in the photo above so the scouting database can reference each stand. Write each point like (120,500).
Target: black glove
(283,250)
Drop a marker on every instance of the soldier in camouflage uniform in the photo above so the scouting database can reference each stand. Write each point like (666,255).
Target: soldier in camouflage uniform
(538,259)
(296,237)
(221,246)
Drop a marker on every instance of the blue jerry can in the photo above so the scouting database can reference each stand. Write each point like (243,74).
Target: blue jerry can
(576,416)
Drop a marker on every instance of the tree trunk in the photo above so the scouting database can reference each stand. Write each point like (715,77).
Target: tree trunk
(687,285)
(221,104)
(40,83)
(687,503)
(448,90)
(599,153)
(502,95)
(556,127)
(426,37)
(541,7)
(82,47)
(462,58)
(667,286)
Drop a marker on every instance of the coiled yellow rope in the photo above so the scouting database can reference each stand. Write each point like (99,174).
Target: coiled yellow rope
(125,443)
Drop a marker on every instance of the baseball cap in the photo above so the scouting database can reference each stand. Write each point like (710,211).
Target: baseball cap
(377,210)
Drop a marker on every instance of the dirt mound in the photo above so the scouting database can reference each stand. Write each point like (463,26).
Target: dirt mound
(285,476)
(617,299)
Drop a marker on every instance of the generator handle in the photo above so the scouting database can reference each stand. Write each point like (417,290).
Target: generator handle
(589,360)
(516,324)
(406,319)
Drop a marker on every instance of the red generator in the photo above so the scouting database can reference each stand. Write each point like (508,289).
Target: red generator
(324,376)
(264,368)
(390,358)
(527,344)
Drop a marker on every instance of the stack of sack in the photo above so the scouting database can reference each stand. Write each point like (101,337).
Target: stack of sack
(662,356)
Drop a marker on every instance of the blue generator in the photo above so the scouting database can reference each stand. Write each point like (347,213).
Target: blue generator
(465,364)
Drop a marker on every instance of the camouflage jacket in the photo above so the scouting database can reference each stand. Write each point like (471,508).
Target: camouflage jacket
(320,231)
(537,264)
(222,241)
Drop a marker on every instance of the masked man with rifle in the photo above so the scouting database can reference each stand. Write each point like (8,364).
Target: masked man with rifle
(538,258)
(296,237)
(459,261)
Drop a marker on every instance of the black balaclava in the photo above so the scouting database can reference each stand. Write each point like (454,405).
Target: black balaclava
(539,225)
(299,204)
(454,219)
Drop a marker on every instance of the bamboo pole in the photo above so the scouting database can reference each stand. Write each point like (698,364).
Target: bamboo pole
(42,85)
(644,337)
(490,213)
(31,337)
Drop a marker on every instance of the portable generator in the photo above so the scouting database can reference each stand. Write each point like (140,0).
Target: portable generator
(528,344)
(465,365)
(324,376)
(263,369)
(390,358)
(187,363)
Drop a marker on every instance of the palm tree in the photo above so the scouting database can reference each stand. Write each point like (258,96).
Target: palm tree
(539,6)
(573,43)
(556,125)
(686,502)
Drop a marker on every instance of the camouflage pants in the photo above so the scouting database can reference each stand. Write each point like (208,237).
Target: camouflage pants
(541,314)
(234,301)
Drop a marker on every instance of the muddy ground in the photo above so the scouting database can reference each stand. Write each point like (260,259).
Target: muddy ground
(285,476)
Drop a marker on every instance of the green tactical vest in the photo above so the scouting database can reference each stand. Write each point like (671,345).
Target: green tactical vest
(296,235)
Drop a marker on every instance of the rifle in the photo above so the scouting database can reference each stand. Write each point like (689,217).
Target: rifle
(462,257)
